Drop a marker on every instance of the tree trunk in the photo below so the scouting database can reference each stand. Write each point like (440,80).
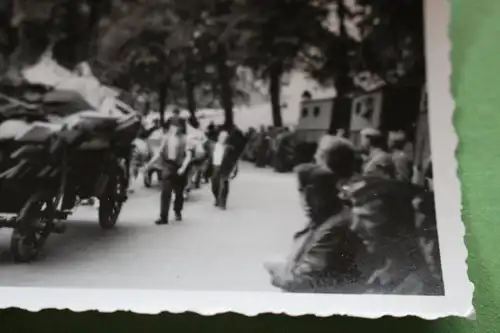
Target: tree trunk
(340,109)
(226,93)
(162,94)
(191,100)
(275,73)
(147,106)
(97,10)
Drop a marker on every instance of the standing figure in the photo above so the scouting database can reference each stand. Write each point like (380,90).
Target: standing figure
(207,167)
(223,167)
(174,156)
(402,161)
(378,162)
(323,259)
(195,144)
(262,148)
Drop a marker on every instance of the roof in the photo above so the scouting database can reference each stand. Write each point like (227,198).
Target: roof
(316,100)
(367,82)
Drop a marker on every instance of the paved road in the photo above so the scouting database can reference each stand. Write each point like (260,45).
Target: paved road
(209,250)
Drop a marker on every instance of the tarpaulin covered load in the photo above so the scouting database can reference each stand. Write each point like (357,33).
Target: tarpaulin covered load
(64,111)
(62,119)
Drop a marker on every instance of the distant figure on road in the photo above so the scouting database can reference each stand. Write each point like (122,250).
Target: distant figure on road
(223,167)
(175,156)
(262,146)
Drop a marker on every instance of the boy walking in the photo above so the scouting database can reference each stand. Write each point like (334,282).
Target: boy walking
(223,168)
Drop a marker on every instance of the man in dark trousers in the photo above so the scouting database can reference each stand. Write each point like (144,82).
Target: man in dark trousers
(174,157)
(224,161)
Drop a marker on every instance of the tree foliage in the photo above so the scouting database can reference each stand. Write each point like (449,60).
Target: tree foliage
(188,52)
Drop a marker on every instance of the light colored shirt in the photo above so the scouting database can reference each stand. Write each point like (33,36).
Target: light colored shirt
(173,144)
(174,148)
(218,153)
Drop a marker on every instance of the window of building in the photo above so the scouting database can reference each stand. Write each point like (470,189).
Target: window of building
(359,108)
(316,111)
(369,107)
(304,112)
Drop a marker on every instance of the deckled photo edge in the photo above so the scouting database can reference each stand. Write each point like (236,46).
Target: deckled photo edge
(445,139)
(457,300)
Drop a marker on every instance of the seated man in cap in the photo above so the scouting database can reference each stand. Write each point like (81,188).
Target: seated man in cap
(378,162)
(383,215)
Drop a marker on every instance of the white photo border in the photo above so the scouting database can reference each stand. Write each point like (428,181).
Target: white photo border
(457,300)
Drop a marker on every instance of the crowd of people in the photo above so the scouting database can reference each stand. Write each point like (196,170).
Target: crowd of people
(370,228)
(272,146)
(185,161)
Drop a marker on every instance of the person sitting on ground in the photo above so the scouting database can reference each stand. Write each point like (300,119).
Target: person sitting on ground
(195,142)
(323,259)
(377,161)
(383,216)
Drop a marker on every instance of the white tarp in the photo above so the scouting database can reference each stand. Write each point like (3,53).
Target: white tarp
(49,73)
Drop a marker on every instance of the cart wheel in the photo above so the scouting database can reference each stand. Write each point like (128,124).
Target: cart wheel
(29,235)
(111,204)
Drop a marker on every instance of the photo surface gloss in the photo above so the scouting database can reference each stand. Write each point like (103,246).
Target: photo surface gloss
(299,153)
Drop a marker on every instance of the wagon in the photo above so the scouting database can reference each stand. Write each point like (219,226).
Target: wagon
(48,165)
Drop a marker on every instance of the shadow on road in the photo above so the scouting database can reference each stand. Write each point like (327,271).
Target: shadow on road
(80,242)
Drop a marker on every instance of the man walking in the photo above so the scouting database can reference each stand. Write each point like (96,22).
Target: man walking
(174,157)
(224,166)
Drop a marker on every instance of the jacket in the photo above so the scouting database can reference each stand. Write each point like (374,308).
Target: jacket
(323,259)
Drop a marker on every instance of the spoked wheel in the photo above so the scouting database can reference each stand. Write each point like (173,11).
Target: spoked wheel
(111,203)
(31,231)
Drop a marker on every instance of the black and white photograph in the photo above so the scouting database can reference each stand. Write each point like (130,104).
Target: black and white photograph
(298,152)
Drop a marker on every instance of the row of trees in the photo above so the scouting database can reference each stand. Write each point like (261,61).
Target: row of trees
(188,52)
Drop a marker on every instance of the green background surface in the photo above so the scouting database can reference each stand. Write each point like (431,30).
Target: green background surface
(475,32)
